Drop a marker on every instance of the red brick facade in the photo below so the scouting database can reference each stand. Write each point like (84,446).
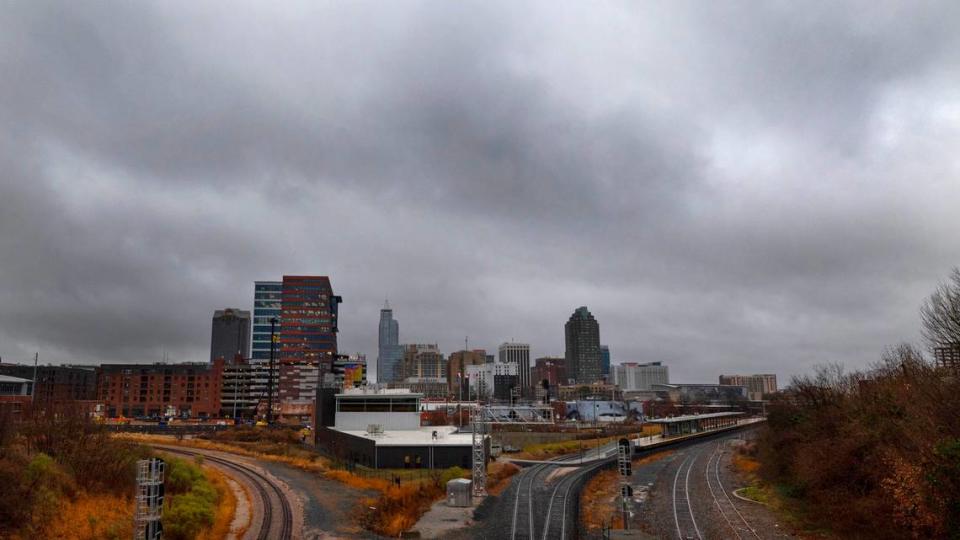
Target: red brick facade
(153,390)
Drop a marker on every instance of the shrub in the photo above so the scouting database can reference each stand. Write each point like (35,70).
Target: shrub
(193,500)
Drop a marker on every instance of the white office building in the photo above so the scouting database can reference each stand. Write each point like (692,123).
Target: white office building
(519,354)
(633,376)
(492,380)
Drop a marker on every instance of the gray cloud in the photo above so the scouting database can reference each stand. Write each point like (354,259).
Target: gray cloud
(728,188)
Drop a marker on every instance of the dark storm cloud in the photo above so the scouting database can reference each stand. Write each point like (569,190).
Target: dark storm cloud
(729,188)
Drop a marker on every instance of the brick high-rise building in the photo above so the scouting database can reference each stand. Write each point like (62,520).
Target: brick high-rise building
(583,357)
(230,334)
(307,344)
(457,369)
(550,369)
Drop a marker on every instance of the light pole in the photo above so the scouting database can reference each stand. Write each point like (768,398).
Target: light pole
(273,341)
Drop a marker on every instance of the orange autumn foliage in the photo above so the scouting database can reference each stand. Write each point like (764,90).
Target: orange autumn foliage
(226,506)
(93,517)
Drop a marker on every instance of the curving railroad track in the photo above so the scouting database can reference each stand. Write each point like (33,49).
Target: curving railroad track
(543,511)
(728,510)
(687,528)
(277,520)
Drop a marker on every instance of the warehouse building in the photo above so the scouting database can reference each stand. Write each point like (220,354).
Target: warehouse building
(381,429)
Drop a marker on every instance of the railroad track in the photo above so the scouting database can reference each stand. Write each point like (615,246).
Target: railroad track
(683,517)
(524,519)
(261,483)
(555,525)
(738,524)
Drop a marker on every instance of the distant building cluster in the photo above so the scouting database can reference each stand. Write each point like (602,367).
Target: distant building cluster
(276,359)
(757,386)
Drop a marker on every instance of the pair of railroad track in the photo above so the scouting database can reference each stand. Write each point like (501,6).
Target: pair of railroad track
(557,516)
(264,487)
(683,515)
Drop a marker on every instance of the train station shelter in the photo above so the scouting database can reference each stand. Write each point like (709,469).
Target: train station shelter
(696,423)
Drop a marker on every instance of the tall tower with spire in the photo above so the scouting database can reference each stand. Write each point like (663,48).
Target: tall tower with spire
(389,353)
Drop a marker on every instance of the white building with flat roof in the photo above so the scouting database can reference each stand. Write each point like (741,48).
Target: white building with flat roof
(636,377)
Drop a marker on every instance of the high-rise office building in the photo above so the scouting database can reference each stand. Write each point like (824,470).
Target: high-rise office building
(631,376)
(519,354)
(308,335)
(605,362)
(266,306)
(495,380)
(230,335)
(389,352)
(583,347)
(424,361)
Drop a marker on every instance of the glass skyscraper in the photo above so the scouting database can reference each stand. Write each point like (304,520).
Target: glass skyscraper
(605,362)
(266,305)
(389,353)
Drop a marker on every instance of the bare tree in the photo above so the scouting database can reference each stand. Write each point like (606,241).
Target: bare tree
(940,313)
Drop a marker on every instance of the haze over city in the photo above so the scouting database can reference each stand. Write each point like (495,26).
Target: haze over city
(736,190)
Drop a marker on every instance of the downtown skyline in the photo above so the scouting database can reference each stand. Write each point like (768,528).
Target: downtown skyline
(729,188)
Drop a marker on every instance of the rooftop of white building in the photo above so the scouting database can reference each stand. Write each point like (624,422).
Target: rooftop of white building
(446,436)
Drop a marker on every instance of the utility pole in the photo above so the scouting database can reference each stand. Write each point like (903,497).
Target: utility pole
(624,464)
(33,391)
(273,343)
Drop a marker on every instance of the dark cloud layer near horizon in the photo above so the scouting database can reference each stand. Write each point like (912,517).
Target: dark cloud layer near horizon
(729,188)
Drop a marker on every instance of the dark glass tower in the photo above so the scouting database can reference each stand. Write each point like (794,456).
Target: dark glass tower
(583,347)
(605,362)
(230,335)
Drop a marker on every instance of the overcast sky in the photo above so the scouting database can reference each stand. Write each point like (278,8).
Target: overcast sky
(729,187)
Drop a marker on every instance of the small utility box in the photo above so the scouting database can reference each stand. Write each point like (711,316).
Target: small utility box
(459,492)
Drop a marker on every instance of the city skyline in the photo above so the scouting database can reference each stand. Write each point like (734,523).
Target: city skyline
(723,187)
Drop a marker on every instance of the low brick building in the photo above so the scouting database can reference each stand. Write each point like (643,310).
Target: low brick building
(155,390)
(57,385)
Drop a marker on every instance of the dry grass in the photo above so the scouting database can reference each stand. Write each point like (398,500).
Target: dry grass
(226,506)
(93,517)
(313,463)
(600,498)
(397,509)
(572,446)
(358,482)
(499,475)
(562,448)
(598,501)
(746,464)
